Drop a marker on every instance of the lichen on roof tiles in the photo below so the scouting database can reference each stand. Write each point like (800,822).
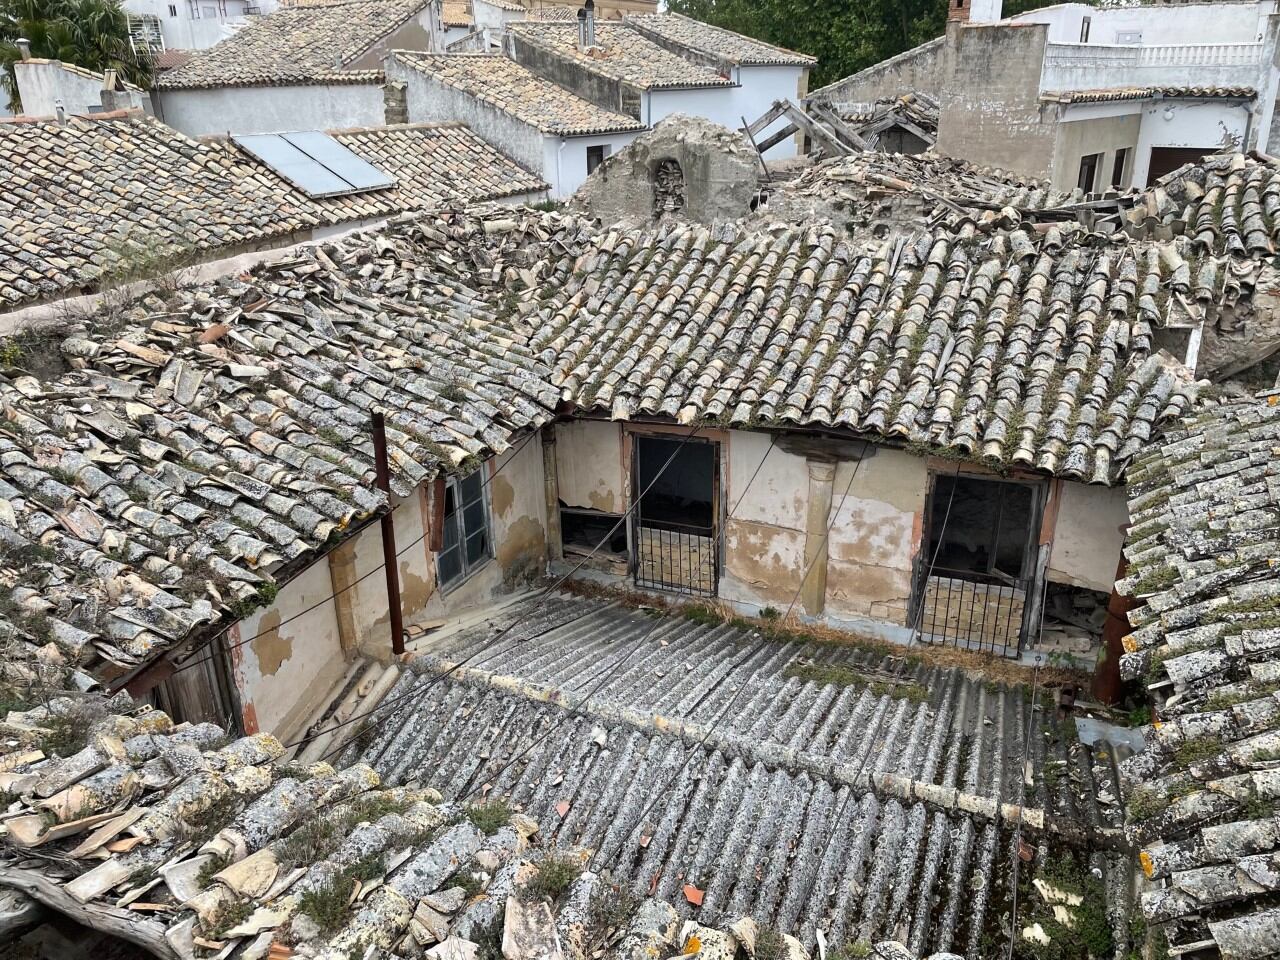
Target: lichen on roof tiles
(621,53)
(518,91)
(199,447)
(998,344)
(1203,550)
(702,37)
(308,44)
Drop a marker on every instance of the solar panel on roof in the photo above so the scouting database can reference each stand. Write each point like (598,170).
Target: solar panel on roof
(330,153)
(314,162)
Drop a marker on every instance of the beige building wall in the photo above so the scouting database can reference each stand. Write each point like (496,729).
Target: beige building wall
(282,676)
(589,463)
(1088,536)
(1104,135)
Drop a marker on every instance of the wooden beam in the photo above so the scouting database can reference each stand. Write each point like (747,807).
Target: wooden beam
(777,138)
(125,924)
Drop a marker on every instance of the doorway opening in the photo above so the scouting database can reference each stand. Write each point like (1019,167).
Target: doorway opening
(983,533)
(676,516)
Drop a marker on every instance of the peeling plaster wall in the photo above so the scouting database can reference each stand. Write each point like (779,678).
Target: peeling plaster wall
(589,460)
(283,675)
(1088,536)
(876,536)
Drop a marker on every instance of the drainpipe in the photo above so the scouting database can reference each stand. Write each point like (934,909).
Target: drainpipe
(1106,683)
(551,489)
(813,592)
(559,189)
(388,533)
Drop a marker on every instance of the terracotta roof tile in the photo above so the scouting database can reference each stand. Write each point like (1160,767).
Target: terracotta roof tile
(519,91)
(308,44)
(1104,95)
(456,14)
(621,53)
(736,48)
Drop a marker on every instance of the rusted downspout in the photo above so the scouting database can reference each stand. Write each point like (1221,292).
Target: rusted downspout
(388,533)
(1106,676)
(551,489)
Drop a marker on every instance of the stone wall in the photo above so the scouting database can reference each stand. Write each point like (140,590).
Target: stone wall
(915,70)
(990,98)
(974,614)
(718,167)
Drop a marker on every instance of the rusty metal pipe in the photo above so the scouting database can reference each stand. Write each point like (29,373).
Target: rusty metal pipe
(388,533)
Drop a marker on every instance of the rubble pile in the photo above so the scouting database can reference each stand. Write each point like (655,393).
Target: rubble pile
(916,113)
(171,837)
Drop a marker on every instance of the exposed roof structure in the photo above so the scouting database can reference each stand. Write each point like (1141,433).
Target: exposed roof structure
(107,194)
(506,85)
(1104,95)
(992,343)
(621,54)
(676,29)
(198,449)
(1202,552)
(695,749)
(75,193)
(293,45)
(914,112)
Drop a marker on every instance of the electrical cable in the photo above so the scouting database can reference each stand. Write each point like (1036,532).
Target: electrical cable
(186,662)
(535,606)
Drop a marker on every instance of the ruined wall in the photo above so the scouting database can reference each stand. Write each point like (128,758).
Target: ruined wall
(1088,536)
(719,167)
(41,83)
(915,70)
(989,101)
(283,675)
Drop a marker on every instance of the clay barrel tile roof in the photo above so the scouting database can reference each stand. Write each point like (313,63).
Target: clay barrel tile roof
(716,41)
(621,53)
(514,89)
(295,45)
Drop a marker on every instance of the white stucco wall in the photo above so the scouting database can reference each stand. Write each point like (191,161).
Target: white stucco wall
(565,159)
(41,83)
(589,465)
(1159,24)
(282,675)
(243,110)
(1088,536)
(756,90)
(1201,123)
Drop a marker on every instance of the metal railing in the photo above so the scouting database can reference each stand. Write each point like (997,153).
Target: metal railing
(1155,55)
(974,611)
(676,557)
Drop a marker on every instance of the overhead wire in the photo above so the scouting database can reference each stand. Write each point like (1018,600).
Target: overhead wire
(533,608)
(187,663)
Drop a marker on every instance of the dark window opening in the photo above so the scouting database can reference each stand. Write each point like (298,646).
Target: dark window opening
(675,519)
(1084,29)
(1168,159)
(985,528)
(173,9)
(668,187)
(1117,168)
(581,530)
(466,529)
(1088,178)
(595,157)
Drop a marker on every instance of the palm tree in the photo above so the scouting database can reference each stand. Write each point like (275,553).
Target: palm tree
(93,34)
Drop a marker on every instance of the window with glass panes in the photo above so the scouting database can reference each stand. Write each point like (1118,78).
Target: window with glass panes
(466,529)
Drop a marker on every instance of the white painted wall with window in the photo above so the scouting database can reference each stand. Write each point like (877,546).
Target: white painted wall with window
(568,161)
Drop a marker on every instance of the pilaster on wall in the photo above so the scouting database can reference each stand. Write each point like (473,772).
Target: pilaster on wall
(813,591)
(551,480)
(342,575)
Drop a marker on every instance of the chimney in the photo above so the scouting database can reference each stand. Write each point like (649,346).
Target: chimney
(958,10)
(582,29)
(590,9)
(24,48)
(60,111)
(395,103)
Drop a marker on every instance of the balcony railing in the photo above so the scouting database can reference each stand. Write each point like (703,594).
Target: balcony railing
(677,557)
(973,611)
(1159,55)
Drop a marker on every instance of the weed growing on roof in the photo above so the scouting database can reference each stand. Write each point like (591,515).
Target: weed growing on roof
(769,944)
(229,915)
(770,614)
(262,597)
(489,817)
(1198,750)
(701,613)
(611,908)
(1145,803)
(319,837)
(555,872)
(841,676)
(851,950)
(1089,934)
(488,941)
(1157,579)
(1139,716)
(216,863)
(468,878)
(327,903)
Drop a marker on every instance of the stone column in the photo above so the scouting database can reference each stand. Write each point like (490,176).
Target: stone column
(342,576)
(551,489)
(813,593)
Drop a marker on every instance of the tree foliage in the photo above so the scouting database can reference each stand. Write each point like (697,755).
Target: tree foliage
(93,34)
(845,35)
